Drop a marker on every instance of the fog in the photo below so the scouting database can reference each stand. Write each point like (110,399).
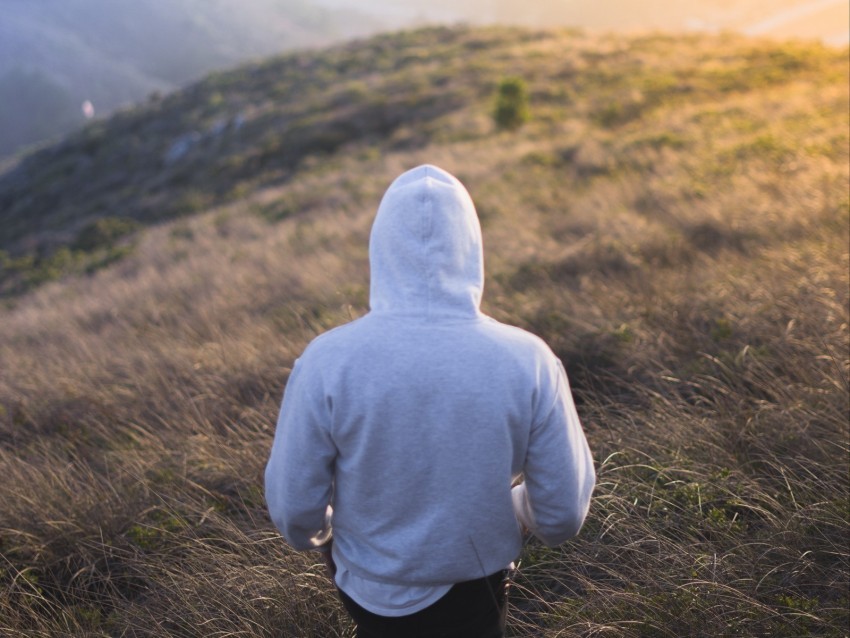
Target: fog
(826,20)
(57,55)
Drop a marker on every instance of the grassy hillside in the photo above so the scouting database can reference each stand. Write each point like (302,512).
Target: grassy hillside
(673,220)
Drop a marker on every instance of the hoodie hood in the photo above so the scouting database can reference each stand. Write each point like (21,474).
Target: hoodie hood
(425,250)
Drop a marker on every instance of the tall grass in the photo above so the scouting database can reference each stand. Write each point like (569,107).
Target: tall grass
(688,262)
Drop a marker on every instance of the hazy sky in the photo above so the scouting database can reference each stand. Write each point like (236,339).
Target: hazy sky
(827,20)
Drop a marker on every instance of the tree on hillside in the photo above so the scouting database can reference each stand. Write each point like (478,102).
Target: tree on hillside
(511,110)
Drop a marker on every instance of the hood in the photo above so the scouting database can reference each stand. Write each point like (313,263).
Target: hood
(425,249)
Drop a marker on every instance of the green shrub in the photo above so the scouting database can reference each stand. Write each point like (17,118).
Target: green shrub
(511,109)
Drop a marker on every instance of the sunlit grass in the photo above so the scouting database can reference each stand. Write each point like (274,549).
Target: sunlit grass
(685,255)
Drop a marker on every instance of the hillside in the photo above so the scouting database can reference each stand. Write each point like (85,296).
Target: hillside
(673,219)
(55,54)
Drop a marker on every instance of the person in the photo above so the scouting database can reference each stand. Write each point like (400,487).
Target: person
(415,443)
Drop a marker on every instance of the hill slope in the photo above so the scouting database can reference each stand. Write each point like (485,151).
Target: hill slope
(673,220)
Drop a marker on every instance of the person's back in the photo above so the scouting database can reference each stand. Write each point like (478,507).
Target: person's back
(414,421)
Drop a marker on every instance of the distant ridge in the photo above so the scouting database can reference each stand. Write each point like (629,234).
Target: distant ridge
(56,54)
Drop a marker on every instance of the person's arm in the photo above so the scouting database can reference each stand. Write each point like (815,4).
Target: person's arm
(299,474)
(554,499)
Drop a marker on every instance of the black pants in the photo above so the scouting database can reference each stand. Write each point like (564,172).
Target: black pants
(471,609)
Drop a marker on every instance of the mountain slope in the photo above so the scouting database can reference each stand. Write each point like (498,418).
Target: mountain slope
(239,130)
(673,219)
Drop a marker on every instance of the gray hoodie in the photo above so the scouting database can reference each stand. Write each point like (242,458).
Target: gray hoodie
(414,421)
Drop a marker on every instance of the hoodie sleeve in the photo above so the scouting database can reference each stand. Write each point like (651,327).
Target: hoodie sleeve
(559,474)
(299,474)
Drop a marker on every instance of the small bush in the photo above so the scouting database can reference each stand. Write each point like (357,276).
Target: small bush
(511,109)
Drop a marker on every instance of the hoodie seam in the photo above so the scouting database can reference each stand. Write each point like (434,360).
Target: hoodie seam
(429,244)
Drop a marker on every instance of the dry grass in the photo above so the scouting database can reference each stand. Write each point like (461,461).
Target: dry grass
(684,250)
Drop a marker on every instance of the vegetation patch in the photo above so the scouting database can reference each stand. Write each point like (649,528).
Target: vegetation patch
(97,245)
(511,110)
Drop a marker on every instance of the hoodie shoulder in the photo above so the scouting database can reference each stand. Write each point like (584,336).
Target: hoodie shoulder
(329,342)
(518,337)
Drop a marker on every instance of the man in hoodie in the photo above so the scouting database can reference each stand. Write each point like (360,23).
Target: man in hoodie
(402,433)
